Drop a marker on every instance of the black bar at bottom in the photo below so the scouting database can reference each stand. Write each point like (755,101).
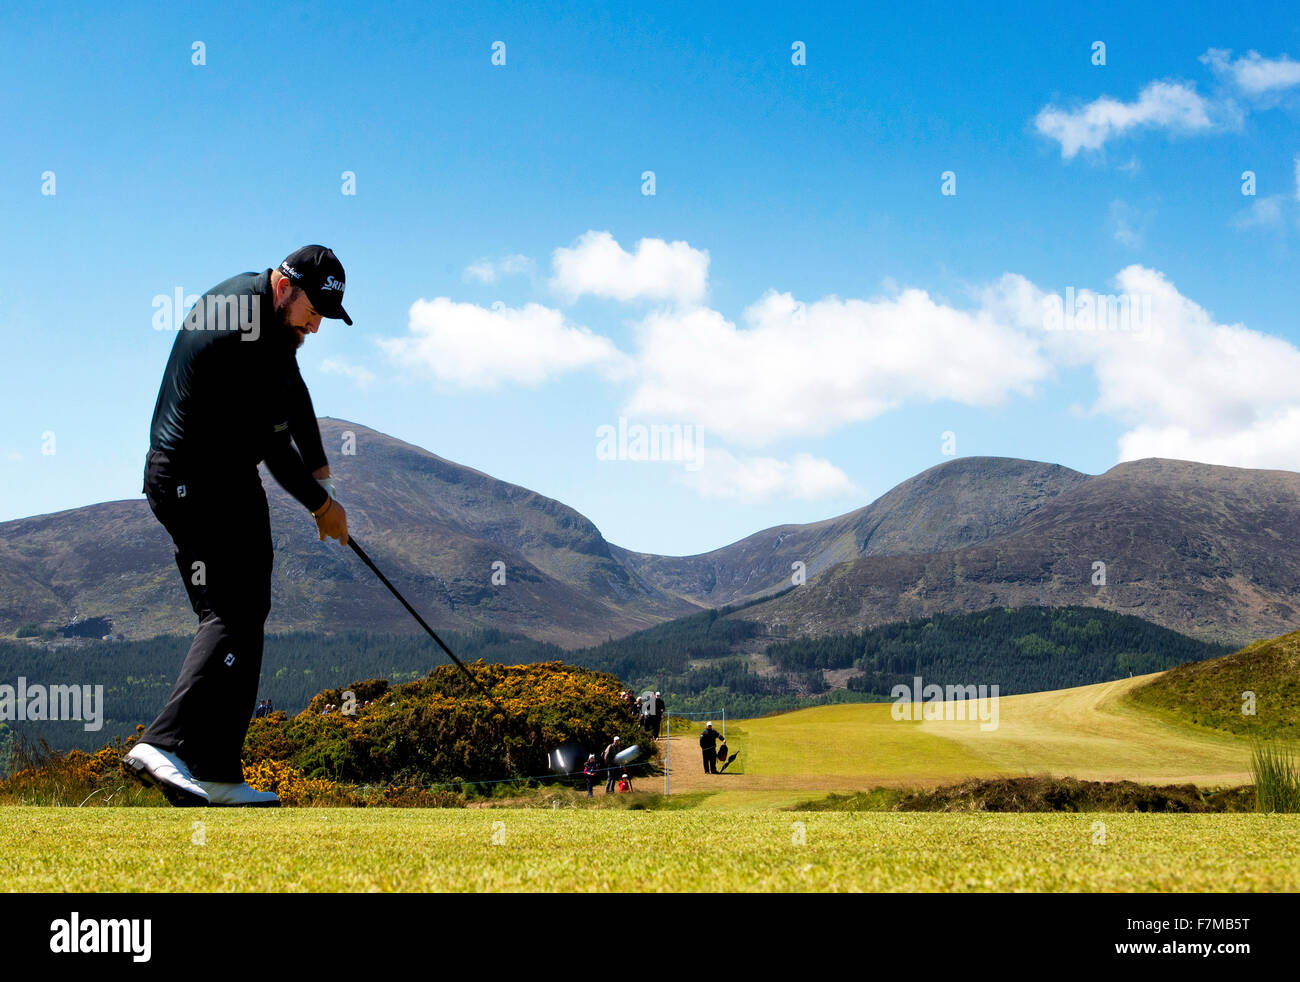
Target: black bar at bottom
(320,931)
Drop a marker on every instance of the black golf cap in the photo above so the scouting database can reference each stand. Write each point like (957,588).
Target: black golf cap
(318,272)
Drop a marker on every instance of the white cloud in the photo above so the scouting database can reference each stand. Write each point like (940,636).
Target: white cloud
(801,369)
(1128,226)
(1272,443)
(1192,387)
(1184,384)
(1179,382)
(1254,74)
(489,271)
(1271,209)
(479,347)
(1171,106)
(1262,211)
(658,270)
(363,376)
(752,480)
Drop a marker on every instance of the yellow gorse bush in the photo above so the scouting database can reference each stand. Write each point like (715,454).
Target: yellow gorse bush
(441,731)
(292,786)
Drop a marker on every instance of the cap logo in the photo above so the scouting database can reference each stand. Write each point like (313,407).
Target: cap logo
(332,284)
(286,268)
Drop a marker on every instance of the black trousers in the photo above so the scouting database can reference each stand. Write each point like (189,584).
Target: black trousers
(710,761)
(221,528)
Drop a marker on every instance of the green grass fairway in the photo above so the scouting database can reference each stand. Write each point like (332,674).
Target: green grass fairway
(725,832)
(1092,732)
(316,849)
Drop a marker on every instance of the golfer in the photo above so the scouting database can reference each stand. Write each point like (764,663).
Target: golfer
(231,397)
(709,746)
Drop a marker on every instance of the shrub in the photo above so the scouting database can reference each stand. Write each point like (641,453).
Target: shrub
(1277,777)
(42,777)
(440,729)
(418,743)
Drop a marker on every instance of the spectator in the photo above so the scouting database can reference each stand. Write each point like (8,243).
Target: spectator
(659,714)
(709,744)
(590,770)
(611,765)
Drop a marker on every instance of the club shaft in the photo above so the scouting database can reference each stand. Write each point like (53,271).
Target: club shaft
(361,553)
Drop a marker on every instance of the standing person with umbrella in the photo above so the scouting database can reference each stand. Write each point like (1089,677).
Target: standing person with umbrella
(231,397)
(709,744)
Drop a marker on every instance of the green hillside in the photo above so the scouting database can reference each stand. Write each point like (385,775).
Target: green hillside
(1027,649)
(701,662)
(1215,694)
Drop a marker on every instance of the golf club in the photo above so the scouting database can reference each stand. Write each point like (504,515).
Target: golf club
(356,547)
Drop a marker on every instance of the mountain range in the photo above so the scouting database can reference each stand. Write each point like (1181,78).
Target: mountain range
(1210,551)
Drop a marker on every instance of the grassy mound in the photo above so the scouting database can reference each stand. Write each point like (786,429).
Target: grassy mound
(440,730)
(431,742)
(1041,794)
(1213,694)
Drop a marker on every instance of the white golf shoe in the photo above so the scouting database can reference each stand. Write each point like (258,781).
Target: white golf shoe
(167,772)
(238,795)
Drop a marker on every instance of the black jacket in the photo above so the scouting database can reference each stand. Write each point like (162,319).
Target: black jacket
(232,395)
(709,739)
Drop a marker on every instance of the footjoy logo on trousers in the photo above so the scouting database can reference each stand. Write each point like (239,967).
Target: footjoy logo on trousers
(102,936)
(25,704)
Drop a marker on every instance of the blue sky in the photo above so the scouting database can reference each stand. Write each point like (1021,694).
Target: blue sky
(798,288)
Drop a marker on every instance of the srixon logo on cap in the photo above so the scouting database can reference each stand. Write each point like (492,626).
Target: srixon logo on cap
(332,284)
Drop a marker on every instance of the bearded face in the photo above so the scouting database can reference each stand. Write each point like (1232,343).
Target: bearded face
(296,315)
